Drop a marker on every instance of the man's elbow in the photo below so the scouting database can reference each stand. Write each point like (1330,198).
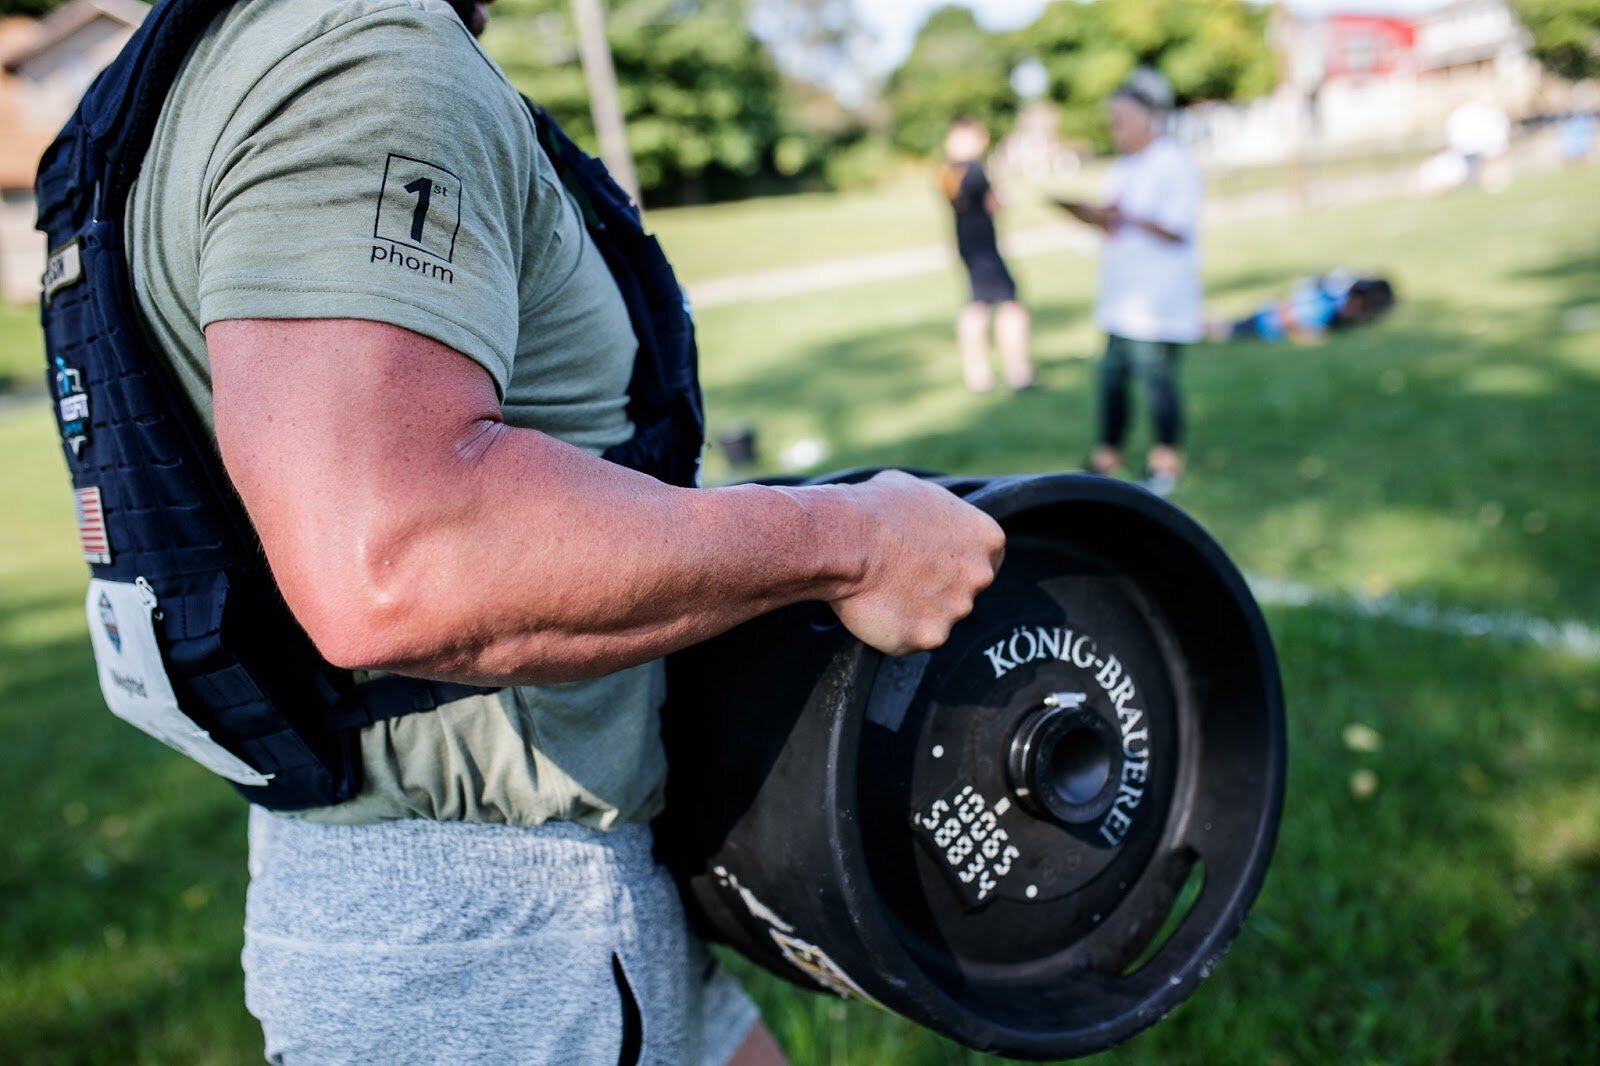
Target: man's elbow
(364,625)
(359,613)
(364,640)
(352,625)
(369,599)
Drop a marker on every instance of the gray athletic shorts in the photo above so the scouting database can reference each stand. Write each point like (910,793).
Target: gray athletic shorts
(444,942)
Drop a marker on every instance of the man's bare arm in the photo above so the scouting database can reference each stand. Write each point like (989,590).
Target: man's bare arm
(1155,229)
(410,529)
(1091,214)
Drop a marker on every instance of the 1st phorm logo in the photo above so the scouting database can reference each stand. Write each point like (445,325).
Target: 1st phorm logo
(393,254)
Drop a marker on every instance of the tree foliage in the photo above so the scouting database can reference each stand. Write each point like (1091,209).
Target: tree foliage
(1566,35)
(28,7)
(700,94)
(815,41)
(955,68)
(1208,49)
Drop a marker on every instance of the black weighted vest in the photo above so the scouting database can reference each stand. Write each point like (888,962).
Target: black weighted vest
(158,520)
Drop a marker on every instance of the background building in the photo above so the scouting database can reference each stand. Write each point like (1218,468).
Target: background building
(45,66)
(1370,81)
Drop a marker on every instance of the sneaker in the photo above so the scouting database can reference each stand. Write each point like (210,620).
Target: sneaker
(1160,484)
(1091,465)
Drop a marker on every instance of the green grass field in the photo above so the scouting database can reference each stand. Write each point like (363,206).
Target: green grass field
(905,210)
(1447,456)
(21,347)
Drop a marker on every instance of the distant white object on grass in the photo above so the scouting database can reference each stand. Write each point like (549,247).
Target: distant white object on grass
(1363,738)
(803,454)
(1445,170)
(1478,128)
(1580,319)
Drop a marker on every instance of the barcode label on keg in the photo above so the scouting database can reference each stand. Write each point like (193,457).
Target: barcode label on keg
(963,829)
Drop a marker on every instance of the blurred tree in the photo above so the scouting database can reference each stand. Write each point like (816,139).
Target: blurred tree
(28,7)
(828,90)
(700,93)
(1566,35)
(956,67)
(815,41)
(1208,49)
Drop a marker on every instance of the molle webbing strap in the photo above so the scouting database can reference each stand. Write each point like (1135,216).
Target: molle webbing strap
(394,697)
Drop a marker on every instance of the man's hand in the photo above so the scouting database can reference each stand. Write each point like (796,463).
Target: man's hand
(929,555)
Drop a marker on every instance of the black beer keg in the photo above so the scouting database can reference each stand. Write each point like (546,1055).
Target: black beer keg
(987,839)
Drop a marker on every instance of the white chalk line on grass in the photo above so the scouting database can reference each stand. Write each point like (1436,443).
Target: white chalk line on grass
(1571,637)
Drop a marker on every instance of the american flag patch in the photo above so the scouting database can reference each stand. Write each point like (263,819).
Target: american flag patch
(92,525)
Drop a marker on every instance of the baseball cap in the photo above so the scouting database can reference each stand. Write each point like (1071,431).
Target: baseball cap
(1149,87)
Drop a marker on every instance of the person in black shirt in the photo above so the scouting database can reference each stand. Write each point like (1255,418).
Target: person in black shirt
(966,186)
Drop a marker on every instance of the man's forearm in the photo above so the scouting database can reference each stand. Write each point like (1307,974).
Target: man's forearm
(1089,214)
(534,561)
(1160,232)
(591,569)
(410,529)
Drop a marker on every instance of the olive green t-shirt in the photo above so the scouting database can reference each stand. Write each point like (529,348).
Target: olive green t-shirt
(365,159)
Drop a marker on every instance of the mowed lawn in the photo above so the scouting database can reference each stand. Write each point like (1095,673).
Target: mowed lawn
(1443,912)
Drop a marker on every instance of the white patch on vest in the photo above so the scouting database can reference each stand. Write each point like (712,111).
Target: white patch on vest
(63,268)
(134,680)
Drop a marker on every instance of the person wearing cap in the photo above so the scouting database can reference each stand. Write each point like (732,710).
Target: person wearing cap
(1149,302)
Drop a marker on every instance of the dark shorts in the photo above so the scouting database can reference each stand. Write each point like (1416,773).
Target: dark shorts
(991,282)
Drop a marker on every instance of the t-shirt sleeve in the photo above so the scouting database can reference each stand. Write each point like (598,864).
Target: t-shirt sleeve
(379,172)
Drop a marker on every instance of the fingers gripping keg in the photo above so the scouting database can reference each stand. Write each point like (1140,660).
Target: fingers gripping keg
(988,838)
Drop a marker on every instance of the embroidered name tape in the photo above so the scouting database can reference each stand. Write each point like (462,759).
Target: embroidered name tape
(63,268)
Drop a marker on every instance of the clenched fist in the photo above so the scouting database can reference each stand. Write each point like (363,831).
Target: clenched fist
(928,555)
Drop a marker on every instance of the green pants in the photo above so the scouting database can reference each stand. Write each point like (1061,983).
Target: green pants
(1156,363)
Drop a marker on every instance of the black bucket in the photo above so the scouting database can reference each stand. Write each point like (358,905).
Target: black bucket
(988,839)
(738,446)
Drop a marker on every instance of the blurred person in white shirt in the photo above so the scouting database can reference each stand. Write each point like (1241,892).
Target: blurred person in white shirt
(1479,131)
(1149,301)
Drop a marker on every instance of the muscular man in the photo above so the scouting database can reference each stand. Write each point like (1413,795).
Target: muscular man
(384,304)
